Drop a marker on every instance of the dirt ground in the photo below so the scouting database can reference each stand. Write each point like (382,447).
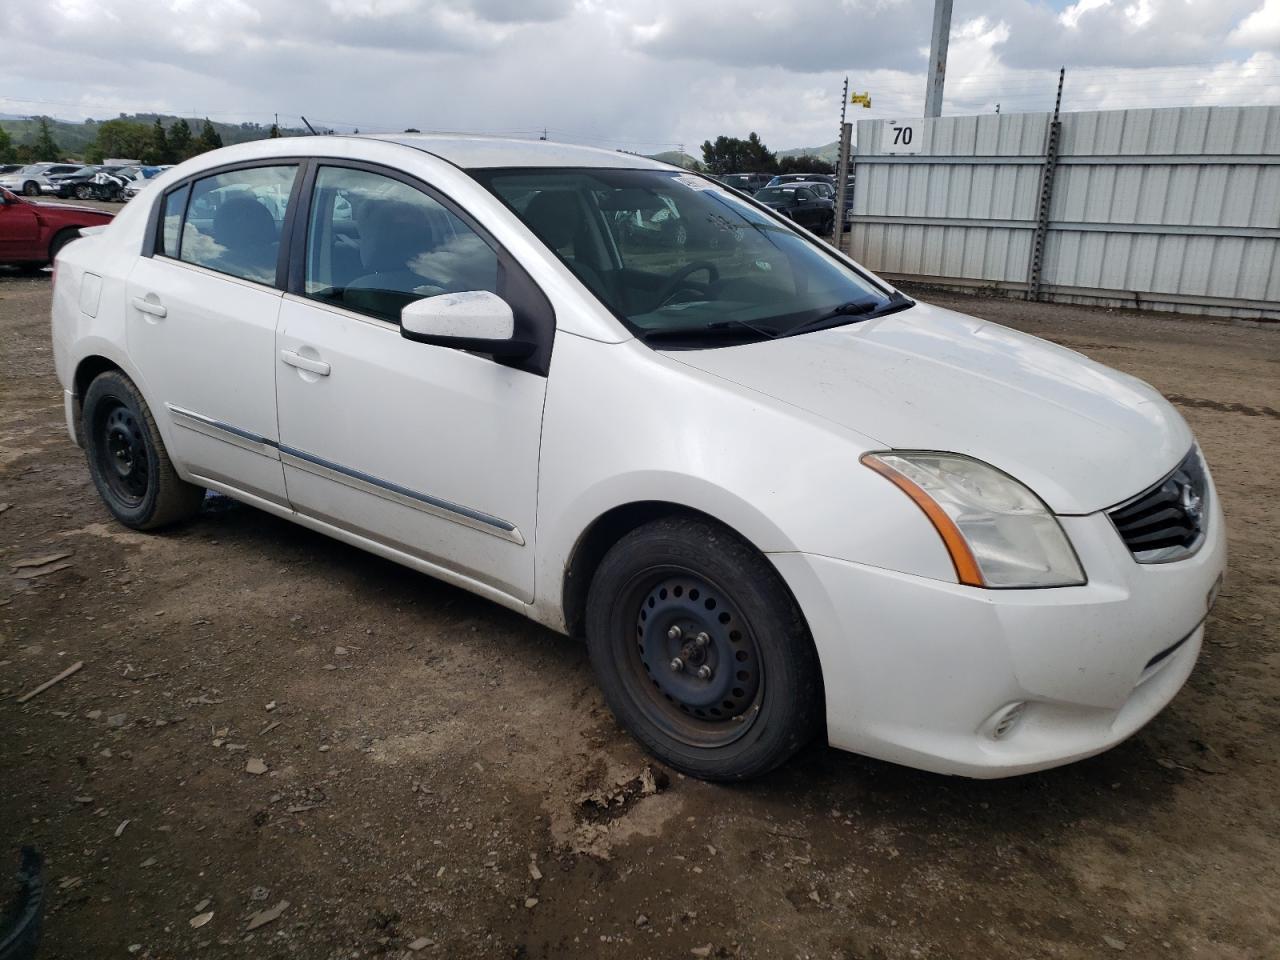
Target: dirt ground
(442,778)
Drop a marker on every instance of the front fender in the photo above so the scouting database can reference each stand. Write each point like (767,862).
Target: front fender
(659,430)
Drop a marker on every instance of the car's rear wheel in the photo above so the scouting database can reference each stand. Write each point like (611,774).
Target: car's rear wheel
(31,188)
(127,459)
(60,240)
(701,652)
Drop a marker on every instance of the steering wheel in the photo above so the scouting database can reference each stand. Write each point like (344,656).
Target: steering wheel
(680,280)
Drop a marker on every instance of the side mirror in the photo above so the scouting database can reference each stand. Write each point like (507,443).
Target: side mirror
(474,320)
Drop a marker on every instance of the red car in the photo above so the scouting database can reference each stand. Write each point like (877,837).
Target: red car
(32,233)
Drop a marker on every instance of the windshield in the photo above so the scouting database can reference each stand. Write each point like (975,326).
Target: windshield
(673,253)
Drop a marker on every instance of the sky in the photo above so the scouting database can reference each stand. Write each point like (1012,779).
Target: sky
(642,75)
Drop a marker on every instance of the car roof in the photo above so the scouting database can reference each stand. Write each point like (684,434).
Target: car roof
(474,151)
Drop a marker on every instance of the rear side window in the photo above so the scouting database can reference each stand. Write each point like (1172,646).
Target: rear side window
(233,221)
(171,220)
(375,244)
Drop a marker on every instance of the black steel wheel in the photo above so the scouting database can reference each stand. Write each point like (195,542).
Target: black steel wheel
(127,459)
(701,652)
(121,449)
(695,657)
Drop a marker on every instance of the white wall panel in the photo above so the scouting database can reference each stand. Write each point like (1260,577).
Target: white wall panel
(1181,202)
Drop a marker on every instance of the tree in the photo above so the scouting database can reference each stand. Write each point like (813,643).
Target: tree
(734,155)
(6,146)
(180,146)
(275,132)
(805,164)
(209,138)
(119,138)
(45,147)
(158,150)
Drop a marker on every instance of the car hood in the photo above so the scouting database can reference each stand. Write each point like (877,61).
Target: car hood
(1082,436)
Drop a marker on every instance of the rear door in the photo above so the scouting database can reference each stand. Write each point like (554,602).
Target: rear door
(201,323)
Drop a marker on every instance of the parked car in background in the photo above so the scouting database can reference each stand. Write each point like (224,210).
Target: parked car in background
(777,496)
(88,183)
(140,182)
(32,232)
(746,182)
(802,203)
(32,179)
(7,168)
(784,178)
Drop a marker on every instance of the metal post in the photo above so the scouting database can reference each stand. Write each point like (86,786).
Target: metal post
(1046,196)
(842,178)
(937,58)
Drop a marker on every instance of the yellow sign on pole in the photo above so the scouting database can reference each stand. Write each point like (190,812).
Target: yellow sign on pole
(861,98)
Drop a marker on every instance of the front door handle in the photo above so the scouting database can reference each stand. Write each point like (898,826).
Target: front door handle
(305,363)
(153,307)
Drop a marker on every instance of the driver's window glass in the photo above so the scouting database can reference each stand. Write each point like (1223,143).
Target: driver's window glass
(234,220)
(375,244)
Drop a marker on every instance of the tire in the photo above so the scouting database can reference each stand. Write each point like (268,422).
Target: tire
(31,189)
(60,240)
(83,191)
(127,458)
(761,696)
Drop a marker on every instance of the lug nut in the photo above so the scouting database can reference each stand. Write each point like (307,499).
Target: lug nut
(675,633)
(702,639)
(677,665)
(704,672)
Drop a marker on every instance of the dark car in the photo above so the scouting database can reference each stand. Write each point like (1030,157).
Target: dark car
(746,182)
(88,183)
(801,202)
(32,233)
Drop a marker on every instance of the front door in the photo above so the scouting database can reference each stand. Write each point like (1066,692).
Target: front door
(201,326)
(19,231)
(428,450)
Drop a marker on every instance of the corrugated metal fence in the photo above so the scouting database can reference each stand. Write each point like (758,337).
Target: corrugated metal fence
(1169,209)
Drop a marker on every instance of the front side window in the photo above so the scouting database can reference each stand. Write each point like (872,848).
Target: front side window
(376,244)
(675,256)
(234,220)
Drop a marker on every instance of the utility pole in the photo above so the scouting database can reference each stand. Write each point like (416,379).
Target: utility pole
(937,58)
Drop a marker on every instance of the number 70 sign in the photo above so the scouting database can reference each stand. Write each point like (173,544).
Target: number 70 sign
(900,136)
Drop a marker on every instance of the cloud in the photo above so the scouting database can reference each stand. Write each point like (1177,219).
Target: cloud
(642,75)
(1261,29)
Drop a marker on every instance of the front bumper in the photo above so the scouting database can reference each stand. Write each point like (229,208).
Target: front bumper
(916,669)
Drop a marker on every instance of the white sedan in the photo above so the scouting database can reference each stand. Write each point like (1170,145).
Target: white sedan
(776,496)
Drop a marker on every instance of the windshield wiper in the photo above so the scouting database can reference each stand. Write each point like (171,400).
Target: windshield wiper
(711,331)
(854,310)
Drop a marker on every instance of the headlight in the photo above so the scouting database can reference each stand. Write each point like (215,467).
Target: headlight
(998,532)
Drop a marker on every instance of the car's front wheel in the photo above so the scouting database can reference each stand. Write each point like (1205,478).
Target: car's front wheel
(31,188)
(127,459)
(701,652)
(84,191)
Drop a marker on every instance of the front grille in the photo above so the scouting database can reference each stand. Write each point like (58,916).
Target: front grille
(1167,522)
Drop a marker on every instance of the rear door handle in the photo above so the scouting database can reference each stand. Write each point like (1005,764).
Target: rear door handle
(152,307)
(304,363)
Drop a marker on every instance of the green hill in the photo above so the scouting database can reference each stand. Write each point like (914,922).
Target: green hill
(829,152)
(75,137)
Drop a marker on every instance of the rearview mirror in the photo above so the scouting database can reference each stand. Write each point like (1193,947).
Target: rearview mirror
(475,320)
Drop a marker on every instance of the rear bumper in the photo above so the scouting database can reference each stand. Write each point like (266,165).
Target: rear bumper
(916,670)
